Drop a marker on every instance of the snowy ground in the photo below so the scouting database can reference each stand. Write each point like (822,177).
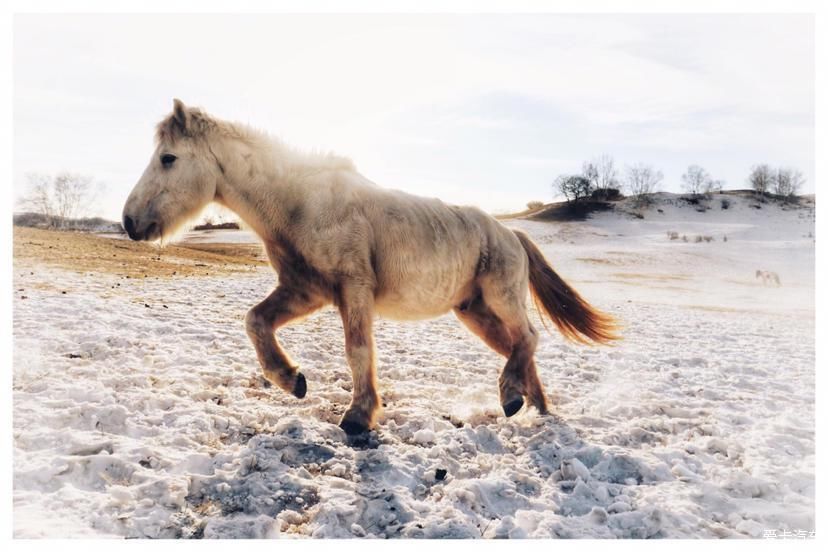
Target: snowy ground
(139,411)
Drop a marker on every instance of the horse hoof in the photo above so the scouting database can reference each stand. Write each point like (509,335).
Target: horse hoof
(511,407)
(353,428)
(301,386)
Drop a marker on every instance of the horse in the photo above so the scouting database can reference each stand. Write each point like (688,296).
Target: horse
(335,238)
(768,277)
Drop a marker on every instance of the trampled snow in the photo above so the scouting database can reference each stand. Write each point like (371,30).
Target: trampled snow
(139,410)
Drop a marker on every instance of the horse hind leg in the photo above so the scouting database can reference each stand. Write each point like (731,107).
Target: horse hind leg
(515,339)
(534,388)
(506,296)
(520,374)
(480,319)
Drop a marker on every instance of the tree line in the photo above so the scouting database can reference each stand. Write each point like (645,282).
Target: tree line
(601,179)
(782,181)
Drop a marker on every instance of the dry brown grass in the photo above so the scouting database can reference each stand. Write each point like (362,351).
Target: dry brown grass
(596,260)
(654,277)
(85,253)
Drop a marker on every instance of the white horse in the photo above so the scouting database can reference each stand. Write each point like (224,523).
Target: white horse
(335,237)
(768,277)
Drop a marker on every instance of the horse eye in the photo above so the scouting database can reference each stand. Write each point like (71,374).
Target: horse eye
(167,160)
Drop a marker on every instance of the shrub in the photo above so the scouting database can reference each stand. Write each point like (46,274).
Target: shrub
(534,205)
(607,194)
(220,226)
(706,239)
(573,187)
(725,204)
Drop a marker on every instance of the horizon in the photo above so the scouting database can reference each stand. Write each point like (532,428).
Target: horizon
(201,219)
(487,111)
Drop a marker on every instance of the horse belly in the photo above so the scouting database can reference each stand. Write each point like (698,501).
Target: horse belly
(421,299)
(411,310)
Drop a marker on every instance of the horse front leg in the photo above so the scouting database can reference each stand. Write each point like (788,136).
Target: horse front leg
(279,308)
(357,311)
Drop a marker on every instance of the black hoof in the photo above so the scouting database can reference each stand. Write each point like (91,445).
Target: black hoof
(353,428)
(511,407)
(301,386)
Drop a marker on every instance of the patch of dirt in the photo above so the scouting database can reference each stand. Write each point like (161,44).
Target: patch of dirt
(595,260)
(656,277)
(85,252)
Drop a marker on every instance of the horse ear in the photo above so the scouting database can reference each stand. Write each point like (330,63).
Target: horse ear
(180,114)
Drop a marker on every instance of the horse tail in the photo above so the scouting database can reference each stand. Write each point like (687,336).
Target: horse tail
(576,319)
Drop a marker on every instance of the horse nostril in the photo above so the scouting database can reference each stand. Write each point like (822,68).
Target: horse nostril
(129,226)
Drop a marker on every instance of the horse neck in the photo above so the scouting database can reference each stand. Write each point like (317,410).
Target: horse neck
(255,187)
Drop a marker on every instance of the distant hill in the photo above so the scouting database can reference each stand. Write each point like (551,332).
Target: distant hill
(220,226)
(655,203)
(89,224)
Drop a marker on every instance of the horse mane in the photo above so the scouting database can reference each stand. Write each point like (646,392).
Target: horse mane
(201,125)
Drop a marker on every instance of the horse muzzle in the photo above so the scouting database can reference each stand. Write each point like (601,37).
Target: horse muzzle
(141,230)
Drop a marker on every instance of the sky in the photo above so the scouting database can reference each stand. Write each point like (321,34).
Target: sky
(479,110)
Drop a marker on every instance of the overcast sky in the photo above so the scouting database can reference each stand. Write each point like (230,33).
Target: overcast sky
(483,110)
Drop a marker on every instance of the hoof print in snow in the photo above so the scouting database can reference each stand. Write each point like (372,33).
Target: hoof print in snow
(301,386)
(511,407)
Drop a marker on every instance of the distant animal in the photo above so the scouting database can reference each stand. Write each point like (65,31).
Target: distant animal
(334,237)
(768,277)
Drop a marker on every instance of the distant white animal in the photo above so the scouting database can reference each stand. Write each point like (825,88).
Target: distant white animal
(768,277)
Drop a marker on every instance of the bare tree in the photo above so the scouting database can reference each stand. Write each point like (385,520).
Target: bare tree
(714,186)
(573,187)
(761,178)
(601,173)
(72,193)
(642,179)
(696,180)
(59,198)
(787,182)
(589,171)
(39,197)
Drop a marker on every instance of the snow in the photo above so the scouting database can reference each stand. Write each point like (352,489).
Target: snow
(145,421)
